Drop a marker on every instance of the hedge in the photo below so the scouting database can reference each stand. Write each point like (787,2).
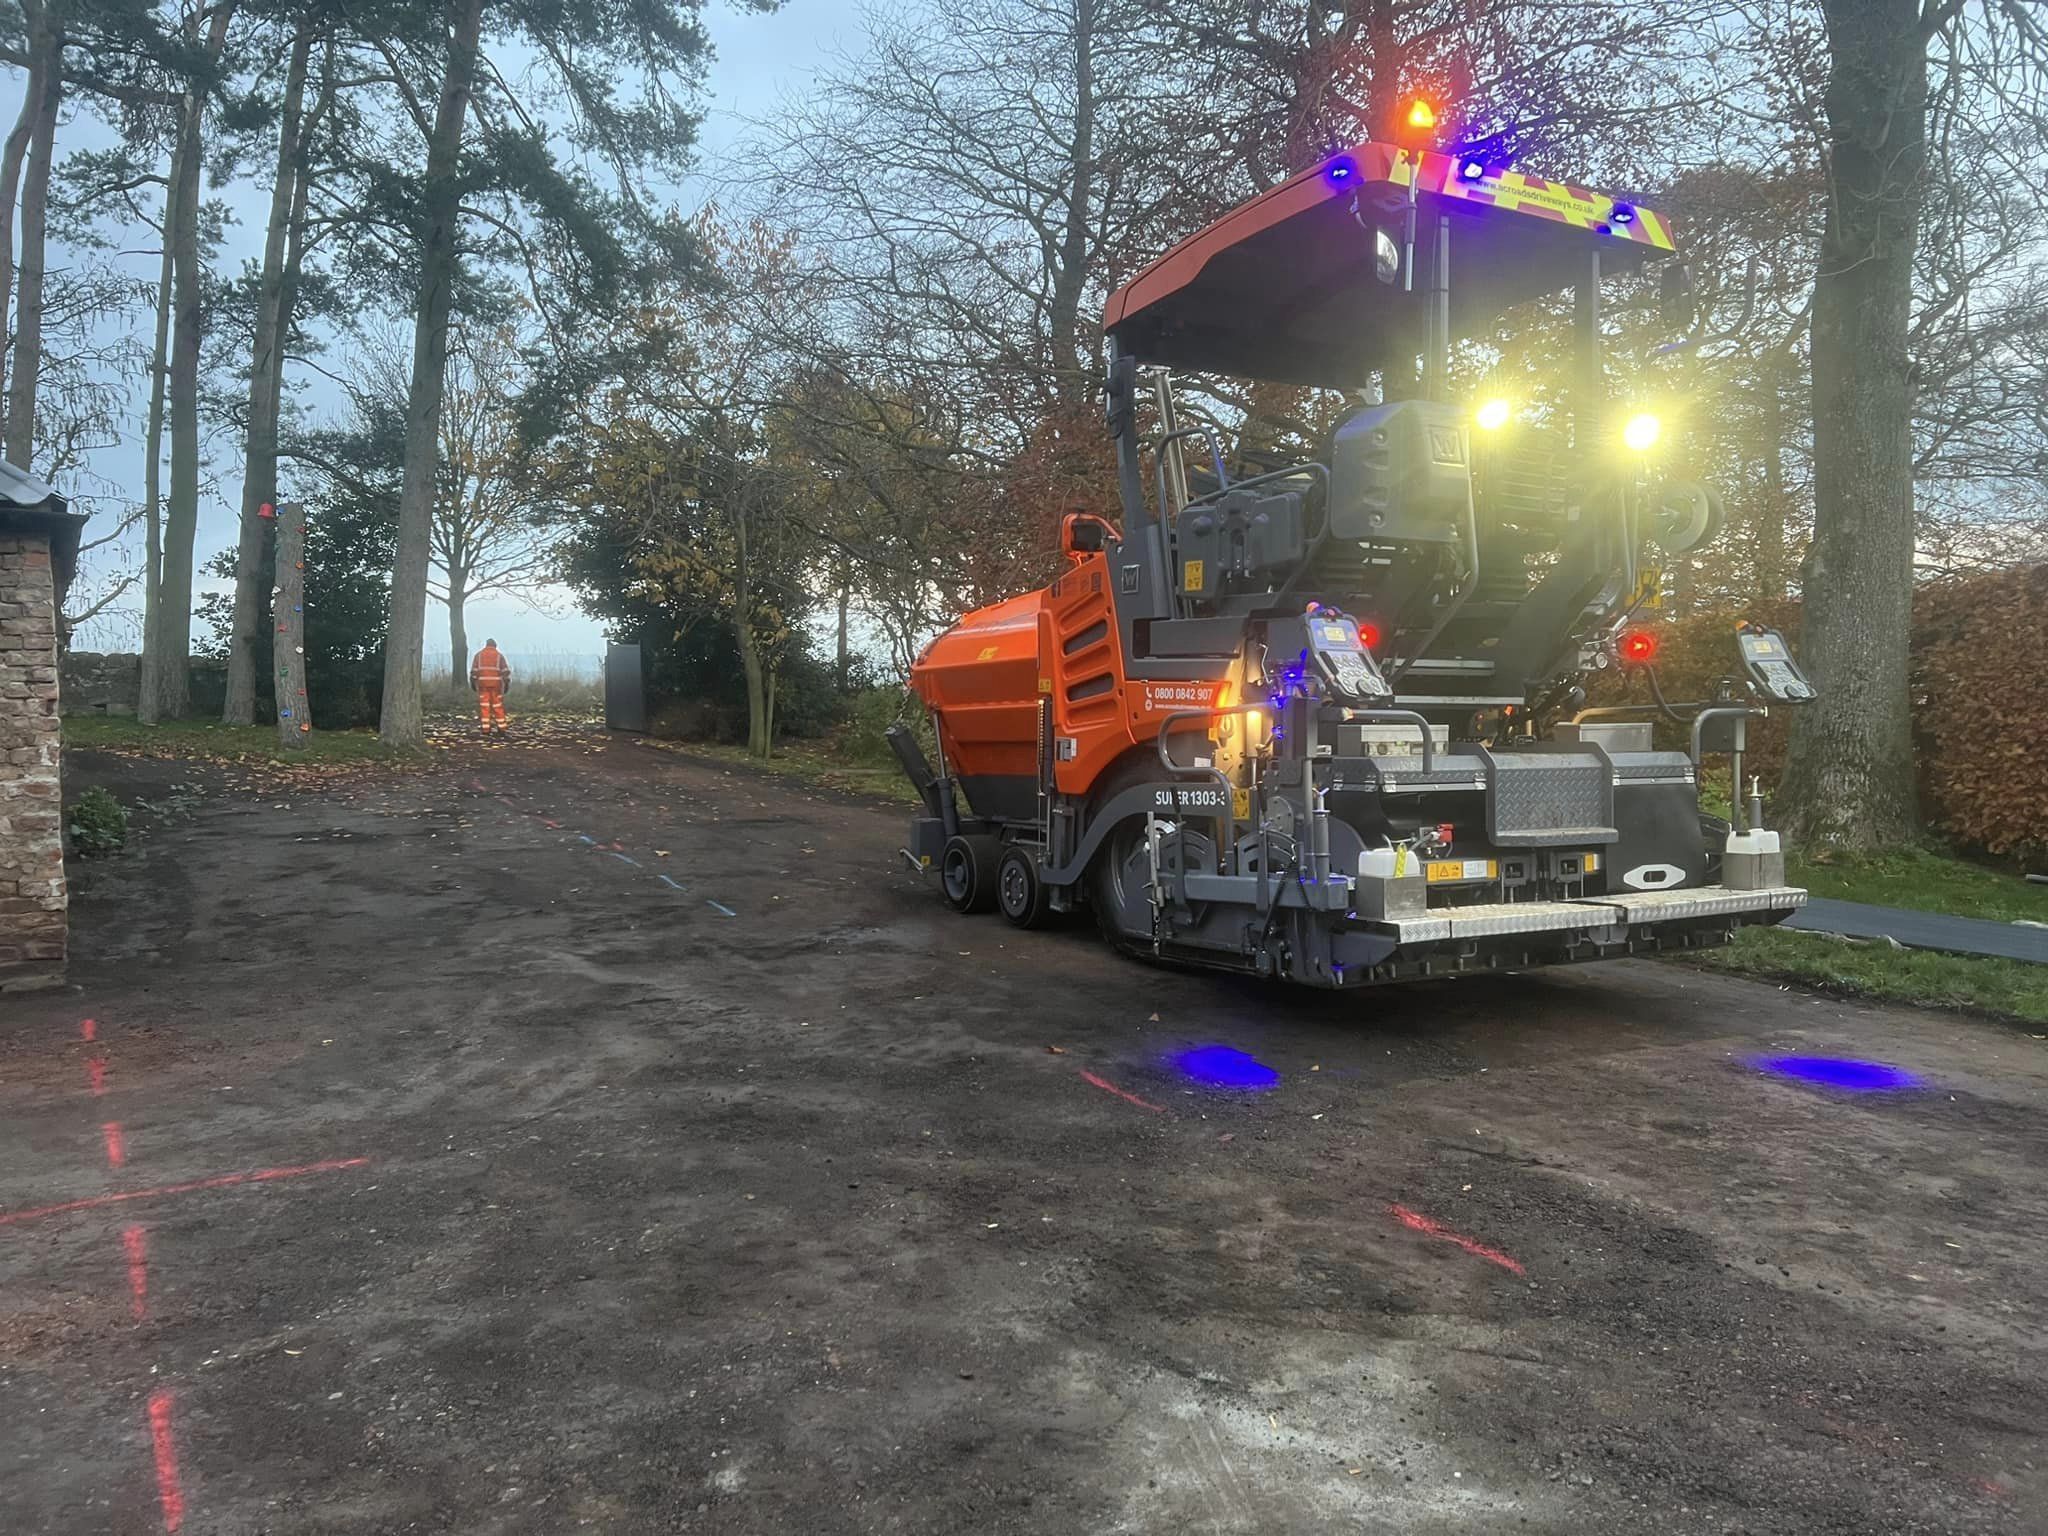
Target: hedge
(1980,709)
(1980,701)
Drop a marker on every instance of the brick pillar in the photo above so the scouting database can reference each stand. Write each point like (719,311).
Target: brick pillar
(32,921)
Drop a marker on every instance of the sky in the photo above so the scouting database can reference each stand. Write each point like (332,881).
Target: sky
(758,58)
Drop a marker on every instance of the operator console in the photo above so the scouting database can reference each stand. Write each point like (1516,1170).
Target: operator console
(1342,659)
(1767,662)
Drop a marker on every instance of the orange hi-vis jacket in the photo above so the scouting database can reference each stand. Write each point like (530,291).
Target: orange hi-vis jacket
(490,671)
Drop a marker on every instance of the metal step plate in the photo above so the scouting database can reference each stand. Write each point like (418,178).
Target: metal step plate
(1502,917)
(1507,917)
(1699,901)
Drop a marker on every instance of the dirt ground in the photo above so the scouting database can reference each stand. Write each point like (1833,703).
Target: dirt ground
(583,1136)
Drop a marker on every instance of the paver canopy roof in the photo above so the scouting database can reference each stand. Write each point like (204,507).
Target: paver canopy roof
(1288,286)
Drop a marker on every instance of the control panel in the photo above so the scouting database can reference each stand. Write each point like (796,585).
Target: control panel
(1768,662)
(1342,659)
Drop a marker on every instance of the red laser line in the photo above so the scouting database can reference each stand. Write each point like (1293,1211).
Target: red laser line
(170,1494)
(223,1181)
(88,1029)
(136,1244)
(117,1144)
(1418,1222)
(1128,1098)
(96,1074)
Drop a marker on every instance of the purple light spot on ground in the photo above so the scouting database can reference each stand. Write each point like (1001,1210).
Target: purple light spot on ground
(1221,1066)
(1839,1072)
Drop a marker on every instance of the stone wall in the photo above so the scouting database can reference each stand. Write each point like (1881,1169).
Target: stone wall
(32,923)
(101,682)
(110,682)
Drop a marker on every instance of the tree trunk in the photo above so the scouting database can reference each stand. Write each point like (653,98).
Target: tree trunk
(458,625)
(152,472)
(46,88)
(10,192)
(759,689)
(181,523)
(259,458)
(401,723)
(294,712)
(1073,383)
(845,658)
(1849,773)
(1383,90)
(760,694)
(1771,575)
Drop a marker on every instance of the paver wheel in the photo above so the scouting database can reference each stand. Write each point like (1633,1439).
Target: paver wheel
(967,872)
(1019,892)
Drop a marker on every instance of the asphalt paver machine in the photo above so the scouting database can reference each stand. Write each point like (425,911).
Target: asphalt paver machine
(1327,722)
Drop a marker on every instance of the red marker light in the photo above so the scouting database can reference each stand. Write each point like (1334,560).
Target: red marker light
(1369,632)
(1638,648)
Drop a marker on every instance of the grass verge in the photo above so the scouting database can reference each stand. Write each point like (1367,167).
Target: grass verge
(2009,989)
(1923,880)
(812,762)
(209,739)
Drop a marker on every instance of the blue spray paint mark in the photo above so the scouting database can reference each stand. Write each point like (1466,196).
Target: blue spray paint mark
(728,911)
(1839,1072)
(664,879)
(1220,1066)
(624,860)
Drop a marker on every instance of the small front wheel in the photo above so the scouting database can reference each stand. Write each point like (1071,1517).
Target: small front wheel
(967,872)
(1019,892)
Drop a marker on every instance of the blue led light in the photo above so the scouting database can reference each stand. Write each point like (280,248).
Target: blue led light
(1472,170)
(1221,1066)
(1341,172)
(1839,1072)
(1623,214)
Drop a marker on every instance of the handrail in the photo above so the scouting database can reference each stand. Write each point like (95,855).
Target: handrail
(1159,445)
(1181,770)
(1725,712)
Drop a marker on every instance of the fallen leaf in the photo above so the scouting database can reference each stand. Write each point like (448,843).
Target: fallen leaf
(1056,1050)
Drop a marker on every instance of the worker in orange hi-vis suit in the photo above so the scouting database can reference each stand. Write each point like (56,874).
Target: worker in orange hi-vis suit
(490,674)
